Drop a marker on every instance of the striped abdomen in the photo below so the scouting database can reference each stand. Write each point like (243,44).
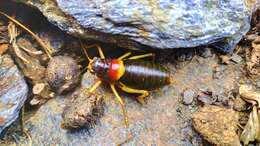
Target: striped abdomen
(144,75)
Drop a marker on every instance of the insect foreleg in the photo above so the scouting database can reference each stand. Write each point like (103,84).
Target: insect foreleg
(102,56)
(124,56)
(94,87)
(121,102)
(140,98)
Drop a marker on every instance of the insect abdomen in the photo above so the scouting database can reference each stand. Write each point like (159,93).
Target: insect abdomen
(144,75)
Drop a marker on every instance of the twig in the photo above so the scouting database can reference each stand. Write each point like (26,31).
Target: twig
(45,47)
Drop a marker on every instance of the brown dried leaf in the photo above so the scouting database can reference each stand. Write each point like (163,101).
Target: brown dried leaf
(258,134)
(249,94)
(252,128)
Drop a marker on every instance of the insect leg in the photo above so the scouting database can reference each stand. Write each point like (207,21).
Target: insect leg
(140,98)
(124,56)
(102,56)
(121,102)
(94,87)
(141,56)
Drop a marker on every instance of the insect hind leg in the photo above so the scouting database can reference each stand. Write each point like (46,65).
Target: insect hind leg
(121,102)
(95,86)
(140,98)
(141,56)
(124,56)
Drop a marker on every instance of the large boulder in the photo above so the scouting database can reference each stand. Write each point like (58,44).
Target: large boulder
(13,91)
(160,24)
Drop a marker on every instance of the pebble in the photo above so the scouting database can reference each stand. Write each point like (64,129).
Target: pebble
(250,37)
(205,52)
(206,97)
(236,58)
(188,96)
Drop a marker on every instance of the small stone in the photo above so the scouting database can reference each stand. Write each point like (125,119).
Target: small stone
(188,96)
(205,52)
(38,88)
(189,55)
(182,58)
(219,72)
(250,37)
(206,97)
(236,58)
(217,125)
(34,101)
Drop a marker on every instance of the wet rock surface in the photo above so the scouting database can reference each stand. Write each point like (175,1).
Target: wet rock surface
(217,125)
(162,121)
(158,24)
(13,91)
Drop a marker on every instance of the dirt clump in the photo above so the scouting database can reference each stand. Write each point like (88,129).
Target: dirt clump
(217,125)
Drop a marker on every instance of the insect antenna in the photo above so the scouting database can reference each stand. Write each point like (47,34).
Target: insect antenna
(86,53)
(85,50)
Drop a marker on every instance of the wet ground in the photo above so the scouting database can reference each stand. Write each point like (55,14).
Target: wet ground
(165,119)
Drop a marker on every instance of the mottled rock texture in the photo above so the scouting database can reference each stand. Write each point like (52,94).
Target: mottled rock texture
(163,120)
(13,91)
(217,125)
(159,24)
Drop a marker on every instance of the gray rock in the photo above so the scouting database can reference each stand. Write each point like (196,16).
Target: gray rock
(236,58)
(188,96)
(206,98)
(158,24)
(13,91)
(205,52)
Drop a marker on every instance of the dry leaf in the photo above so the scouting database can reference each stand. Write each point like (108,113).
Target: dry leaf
(252,128)
(249,94)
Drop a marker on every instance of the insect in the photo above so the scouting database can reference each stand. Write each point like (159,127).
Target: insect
(130,74)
